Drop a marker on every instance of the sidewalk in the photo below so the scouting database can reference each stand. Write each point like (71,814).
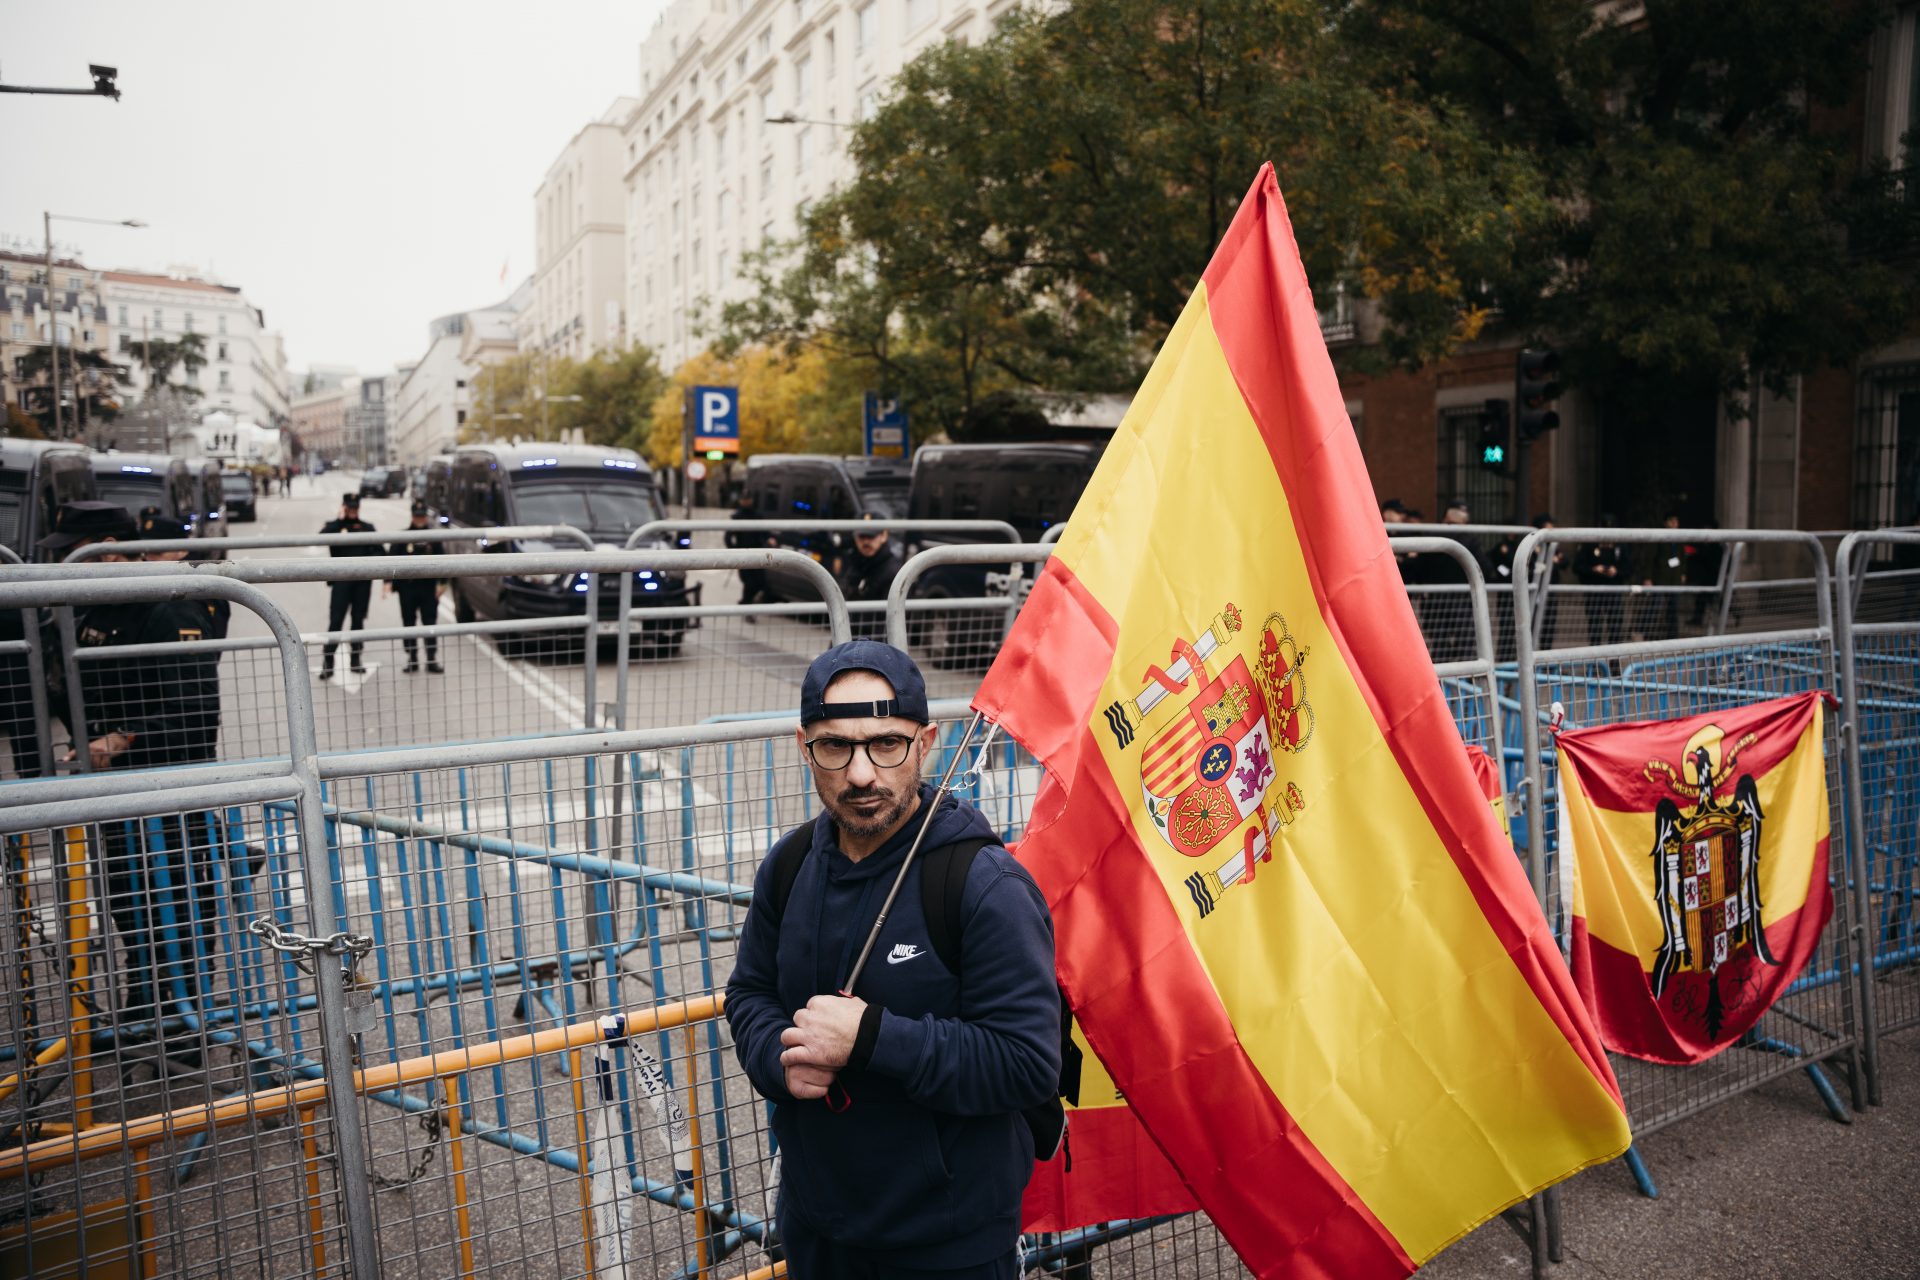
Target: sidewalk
(1764,1186)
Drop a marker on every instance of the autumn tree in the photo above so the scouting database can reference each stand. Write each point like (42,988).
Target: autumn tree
(798,403)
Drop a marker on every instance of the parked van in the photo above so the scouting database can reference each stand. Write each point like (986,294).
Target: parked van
(1032,487)
(804,486)
(36,476)
(605,493)
(138,481)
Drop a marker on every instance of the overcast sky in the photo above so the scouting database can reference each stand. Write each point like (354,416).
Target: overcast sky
(357,168)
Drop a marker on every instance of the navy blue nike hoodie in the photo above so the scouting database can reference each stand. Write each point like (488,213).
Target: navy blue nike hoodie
(928,1164)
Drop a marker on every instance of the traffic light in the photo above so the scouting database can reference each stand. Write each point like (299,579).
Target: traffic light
(1535,388)
(1493,437)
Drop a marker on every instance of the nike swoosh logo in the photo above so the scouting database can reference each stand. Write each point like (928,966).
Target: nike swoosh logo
(903,953)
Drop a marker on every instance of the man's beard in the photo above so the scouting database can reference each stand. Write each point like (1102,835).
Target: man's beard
(861,826)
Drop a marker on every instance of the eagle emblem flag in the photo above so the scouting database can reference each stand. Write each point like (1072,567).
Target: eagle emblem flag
(1699,854)
(1287,918)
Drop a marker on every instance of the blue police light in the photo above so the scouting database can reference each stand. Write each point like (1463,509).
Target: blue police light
(652,586)
(539,462)
(644,574)
(622,463)
(580,584)
(145,471)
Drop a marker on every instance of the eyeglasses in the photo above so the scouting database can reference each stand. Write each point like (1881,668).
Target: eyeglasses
(887,751)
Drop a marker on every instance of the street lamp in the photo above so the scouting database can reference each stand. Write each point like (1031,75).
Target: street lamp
(546,419)
(53,316)
(103,84)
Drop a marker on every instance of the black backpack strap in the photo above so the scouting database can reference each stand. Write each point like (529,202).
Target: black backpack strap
(943,881)
(789,853)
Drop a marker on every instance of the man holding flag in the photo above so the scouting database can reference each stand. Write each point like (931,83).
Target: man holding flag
(897,1098)
(1291,926)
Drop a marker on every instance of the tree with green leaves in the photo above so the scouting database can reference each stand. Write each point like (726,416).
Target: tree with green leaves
(531,396)
(1647,189)
(90,386)
(161,358)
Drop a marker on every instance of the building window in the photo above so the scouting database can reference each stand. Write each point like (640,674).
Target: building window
(802,82)
(766,179)
(740,65)
(186,323)
(919,12)
(19,330)
(159,321)
(459,417)
(802,148)
(868,101)
(720,209)
(719,147)
(694,257)
(863,20)
(829,45)
(721,262)
(460,384)
(765,43)
(223,351)
(226,381)
(693,149)
(766,230)
(1886,473)
(720,83)
(676,217)
(123,317)
(766,109)
(75,282)
(223,324)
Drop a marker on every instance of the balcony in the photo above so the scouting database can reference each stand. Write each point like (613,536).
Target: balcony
(1887,221)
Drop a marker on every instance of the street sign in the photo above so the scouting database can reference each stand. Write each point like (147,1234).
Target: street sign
(696,470)
(886,427)
(716,419)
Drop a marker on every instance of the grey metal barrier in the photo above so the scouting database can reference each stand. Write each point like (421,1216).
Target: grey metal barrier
(484,535)
(105,1028)
(1819,1018)
(959,633)
(1880,696)
(481,694)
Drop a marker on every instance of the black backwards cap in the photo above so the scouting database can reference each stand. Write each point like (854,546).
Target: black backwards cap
(890,664)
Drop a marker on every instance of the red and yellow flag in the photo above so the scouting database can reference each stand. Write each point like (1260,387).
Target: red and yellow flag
(1287,917)
(1699,857)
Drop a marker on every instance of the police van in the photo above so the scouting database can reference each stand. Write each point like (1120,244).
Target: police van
(1031,486)
(606,493)
(802,487)
(36,476)
(152,481)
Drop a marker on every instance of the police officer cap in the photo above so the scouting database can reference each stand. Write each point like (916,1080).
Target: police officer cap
(350,500)
(420,508)
(871,514)
(157,528)
(78,522)
(890,664)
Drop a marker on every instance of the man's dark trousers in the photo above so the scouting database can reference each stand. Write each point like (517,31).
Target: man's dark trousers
(419,607)
(345,598)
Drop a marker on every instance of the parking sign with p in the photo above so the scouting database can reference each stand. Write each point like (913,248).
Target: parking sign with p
(716,419)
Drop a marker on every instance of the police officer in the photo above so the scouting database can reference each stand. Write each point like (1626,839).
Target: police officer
(347,598)
(159,528)
(868,574)
(419,597)
(143,712)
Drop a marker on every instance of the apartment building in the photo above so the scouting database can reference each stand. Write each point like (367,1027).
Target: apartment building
(246,369)
(579,286)
(319,420)
(29,310)
(708,177)
(432,398)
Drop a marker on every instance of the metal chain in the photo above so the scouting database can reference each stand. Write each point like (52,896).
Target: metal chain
(433,1125)
(349,946)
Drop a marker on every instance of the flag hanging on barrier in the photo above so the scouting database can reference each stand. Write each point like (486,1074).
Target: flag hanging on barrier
(1287,917)
(1699,857)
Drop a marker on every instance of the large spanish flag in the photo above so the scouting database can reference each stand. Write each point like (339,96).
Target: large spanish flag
(1699,853)
(1287,917)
